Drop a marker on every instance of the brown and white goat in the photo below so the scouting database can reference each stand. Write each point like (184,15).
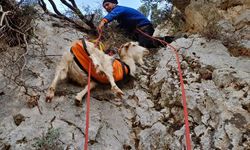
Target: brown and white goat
(130,53)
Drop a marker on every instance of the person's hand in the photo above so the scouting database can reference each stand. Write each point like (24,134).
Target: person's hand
(101,24)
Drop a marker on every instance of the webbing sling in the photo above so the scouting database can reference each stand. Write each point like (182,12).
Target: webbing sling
(84,45)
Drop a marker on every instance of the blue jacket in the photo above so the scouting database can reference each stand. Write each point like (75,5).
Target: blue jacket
(128,18)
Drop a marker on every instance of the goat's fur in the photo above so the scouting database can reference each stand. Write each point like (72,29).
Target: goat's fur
(130,53)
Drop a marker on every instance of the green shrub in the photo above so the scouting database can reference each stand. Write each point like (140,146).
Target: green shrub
(49,141)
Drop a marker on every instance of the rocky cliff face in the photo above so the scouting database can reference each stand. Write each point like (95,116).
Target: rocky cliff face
(200,13)
(150,115)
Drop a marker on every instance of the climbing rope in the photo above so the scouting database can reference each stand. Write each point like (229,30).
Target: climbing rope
(101,47)
(98,42)
(87,110)
(187,131)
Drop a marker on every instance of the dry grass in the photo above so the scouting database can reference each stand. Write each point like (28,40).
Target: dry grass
(230,41)
(212,31)
(237,50)
(112,37)
(17,24)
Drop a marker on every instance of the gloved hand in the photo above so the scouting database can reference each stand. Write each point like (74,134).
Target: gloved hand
(100,26)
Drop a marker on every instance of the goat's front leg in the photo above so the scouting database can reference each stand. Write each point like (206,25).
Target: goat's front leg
(79,96)
(114,87)
(52,88)
(61,73)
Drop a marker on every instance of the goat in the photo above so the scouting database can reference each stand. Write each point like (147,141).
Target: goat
(71,66)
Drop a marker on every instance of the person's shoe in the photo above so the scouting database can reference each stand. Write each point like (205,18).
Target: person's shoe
(169,39)
(185,36)
(180,35)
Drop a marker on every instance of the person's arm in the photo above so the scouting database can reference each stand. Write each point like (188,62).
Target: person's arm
(110,17)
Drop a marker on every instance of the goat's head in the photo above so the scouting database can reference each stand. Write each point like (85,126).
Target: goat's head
(132,53)
(132,50)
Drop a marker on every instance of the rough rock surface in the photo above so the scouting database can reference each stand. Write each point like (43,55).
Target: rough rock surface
(150,115)
(201,13)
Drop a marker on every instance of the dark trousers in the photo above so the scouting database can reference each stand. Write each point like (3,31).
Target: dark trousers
(146,41)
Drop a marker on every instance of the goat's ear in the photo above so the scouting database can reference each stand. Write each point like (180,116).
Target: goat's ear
(127,45)
(123,46)
(134,44)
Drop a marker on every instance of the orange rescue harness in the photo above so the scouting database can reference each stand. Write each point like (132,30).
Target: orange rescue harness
(81,57)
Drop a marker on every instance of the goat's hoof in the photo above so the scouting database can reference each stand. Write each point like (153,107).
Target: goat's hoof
(50,95)
(120,95)
(78,102)
(118,92)
(48,99)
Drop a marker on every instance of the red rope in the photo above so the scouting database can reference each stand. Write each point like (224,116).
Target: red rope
(87,111)
(99,37)
(187,132)
(88,96)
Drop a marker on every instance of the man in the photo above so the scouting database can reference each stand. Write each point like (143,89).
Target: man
(133,22)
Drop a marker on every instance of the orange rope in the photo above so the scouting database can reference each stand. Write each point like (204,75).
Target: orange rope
(99,37)
(187,132)
(88,96)
(87,110)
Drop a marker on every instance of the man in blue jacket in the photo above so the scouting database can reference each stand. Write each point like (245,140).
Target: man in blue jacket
(133,22)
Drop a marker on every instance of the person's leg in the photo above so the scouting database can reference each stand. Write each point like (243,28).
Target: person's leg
(144,38)
(149,42)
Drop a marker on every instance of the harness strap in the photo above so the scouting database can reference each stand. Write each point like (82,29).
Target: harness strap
(84,45)
(125,75)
